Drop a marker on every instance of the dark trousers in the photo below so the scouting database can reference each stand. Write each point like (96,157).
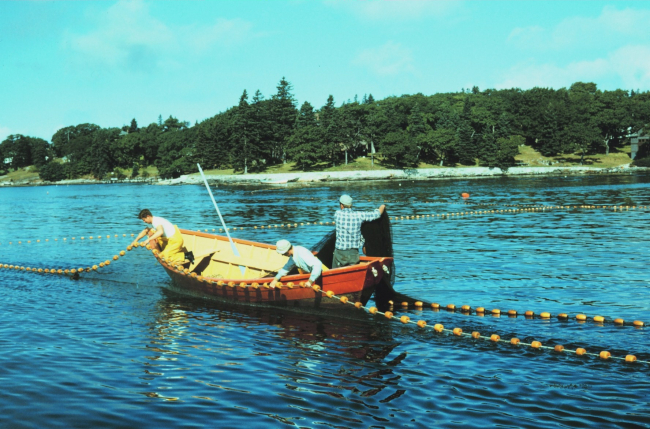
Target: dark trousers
(343,258)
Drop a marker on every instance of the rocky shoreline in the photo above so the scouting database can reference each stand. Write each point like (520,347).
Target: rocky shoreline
(347,176)
(406,174)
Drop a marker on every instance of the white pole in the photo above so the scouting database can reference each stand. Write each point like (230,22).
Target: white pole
(232,243)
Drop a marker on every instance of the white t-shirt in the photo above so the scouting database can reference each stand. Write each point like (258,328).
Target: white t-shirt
(168,228)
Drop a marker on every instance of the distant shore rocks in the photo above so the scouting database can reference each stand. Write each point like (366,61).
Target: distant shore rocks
(405,174)
(39,182)
(349,176)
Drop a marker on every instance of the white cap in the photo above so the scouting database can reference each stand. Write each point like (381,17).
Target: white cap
(346,200)
(282,246)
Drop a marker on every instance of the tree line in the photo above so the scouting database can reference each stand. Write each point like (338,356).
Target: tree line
(469,127)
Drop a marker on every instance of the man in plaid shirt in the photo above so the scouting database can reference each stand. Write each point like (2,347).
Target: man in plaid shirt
(348,231)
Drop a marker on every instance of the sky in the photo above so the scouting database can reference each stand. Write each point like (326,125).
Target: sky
(66,63)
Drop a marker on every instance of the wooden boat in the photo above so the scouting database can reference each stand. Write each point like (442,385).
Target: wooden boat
(216,272)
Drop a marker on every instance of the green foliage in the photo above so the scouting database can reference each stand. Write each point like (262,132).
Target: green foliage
(400,149)
(175,156)
(445,129)
(52,172)
(19,151)
(283,110)
(306,146)
(507,149)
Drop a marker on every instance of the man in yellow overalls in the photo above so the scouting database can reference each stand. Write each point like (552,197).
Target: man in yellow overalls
(169,238)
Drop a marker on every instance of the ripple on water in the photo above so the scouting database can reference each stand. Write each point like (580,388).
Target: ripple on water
(118,348)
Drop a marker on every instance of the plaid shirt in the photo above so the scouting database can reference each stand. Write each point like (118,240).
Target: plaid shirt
(348,227)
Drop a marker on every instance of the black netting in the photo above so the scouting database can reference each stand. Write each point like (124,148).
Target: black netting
(325,248)
(378,238)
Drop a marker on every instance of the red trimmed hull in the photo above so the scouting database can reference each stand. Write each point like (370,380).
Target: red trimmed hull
(356,282)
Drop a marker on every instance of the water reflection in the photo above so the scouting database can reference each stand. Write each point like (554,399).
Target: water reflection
(308,348)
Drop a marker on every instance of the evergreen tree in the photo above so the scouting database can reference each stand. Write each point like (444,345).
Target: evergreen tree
(399,149)
(443,143)
(306,116)
(149,143)
(176,153)
(466,148)
(100,155)
(283,114)
(133,128)
(259,119)
(418,130)
(416,123)
(243,136)
(466,152)
(305,146)
(213,141)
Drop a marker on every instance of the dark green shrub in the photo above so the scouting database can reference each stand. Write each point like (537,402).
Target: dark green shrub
(52,172)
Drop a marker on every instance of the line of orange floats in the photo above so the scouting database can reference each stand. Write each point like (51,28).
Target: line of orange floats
(604,354)
(481,311)
(66,271)
(389,315)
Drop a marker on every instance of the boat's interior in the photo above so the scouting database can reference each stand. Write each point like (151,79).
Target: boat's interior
(214,257)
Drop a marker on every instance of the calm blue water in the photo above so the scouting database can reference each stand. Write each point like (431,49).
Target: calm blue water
(118,348)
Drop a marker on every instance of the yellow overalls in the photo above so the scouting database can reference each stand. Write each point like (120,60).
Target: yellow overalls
(172,247)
